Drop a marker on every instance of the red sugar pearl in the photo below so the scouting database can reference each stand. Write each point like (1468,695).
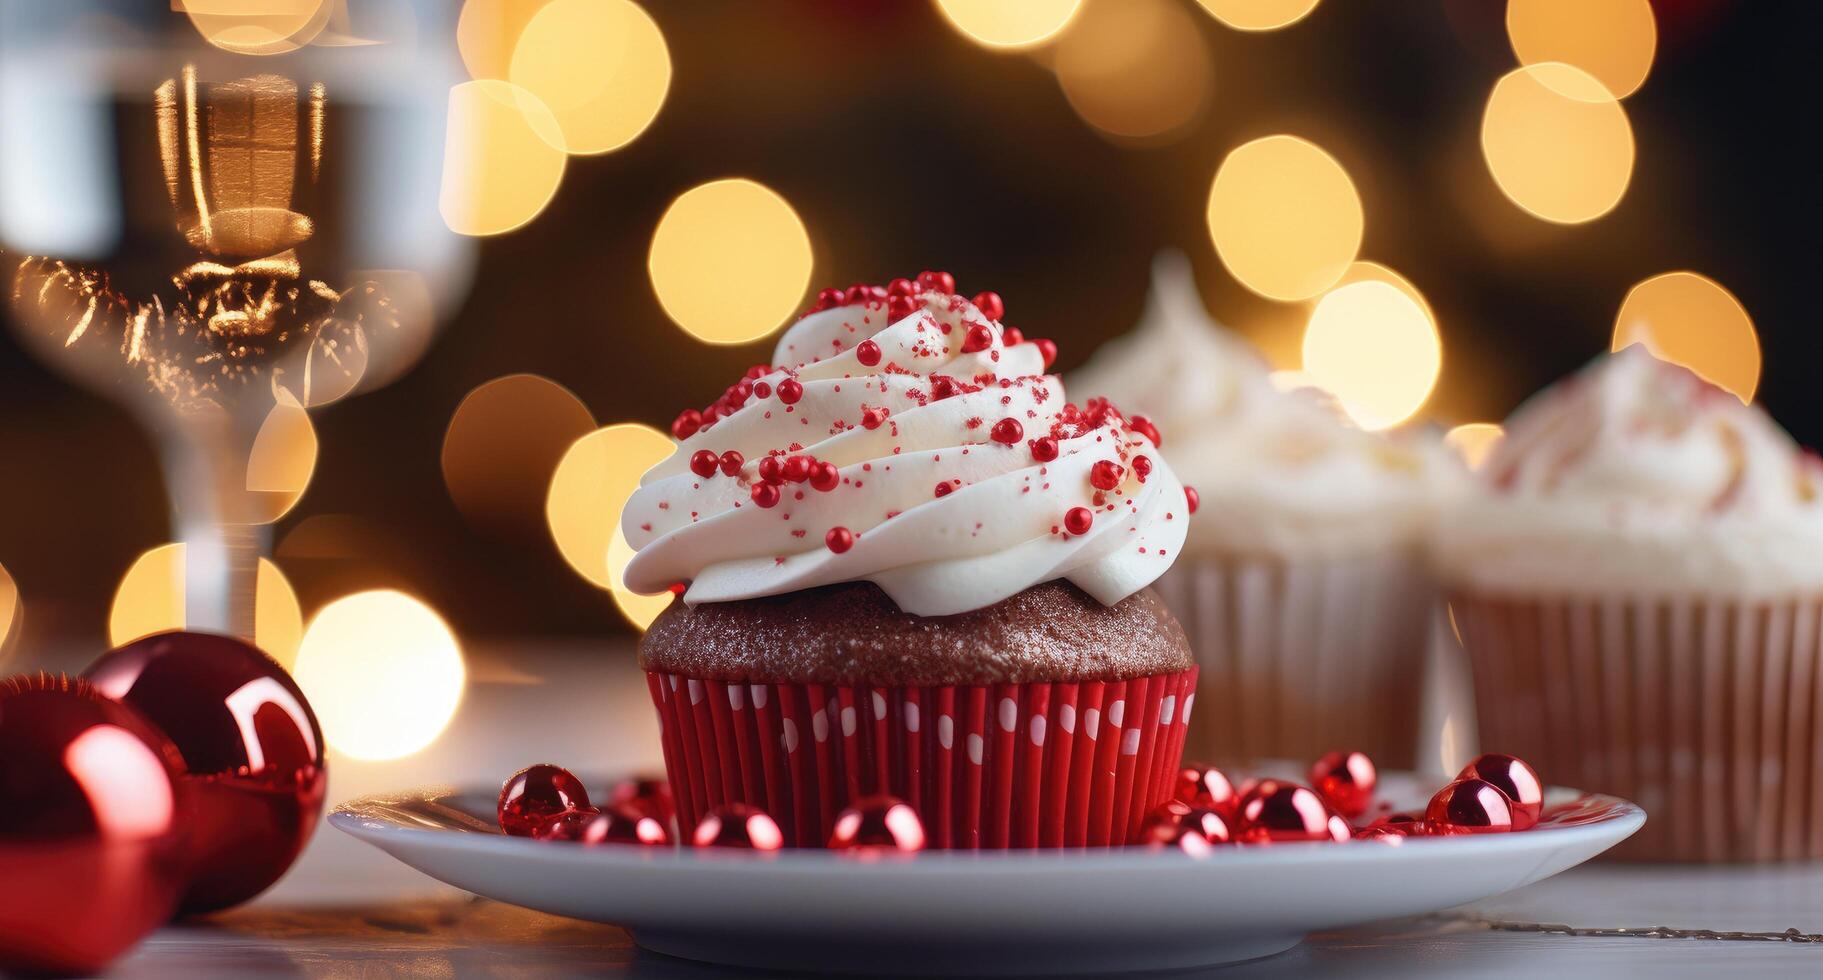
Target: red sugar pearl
(868,353)
(1469,806)
(685,425)
(769,470)
(839,539)
(825,477)
(790,391)
(1346,780)
(1012,337)
(762,389)
(902,287)
(1106,474)
(765,494)
(732,462)
(941,282)
(856,295)
(1047,349)
(1144,426)
(944,488)
(1044,449)
(900,307)
(1142,465)
(828,298)
(1008,431)
(625,825)
(738,825)
(871,418)
(1192,498)
(979,338)
(796,469)
(990,305)
(1078,520)
(703,462)
(941,386)
(537,794)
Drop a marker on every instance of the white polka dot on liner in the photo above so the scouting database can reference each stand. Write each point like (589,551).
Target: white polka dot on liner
(1117,713)
(1066,717)
(946,731)
(975,745)
(790,736)
(1091,723)
(1166,709)
(737,698)
(879,706)
(1037,729)
(848,721)
(1129,743)
(819,725)
(696,691)
(911,716)
(1009,714)
(1189,699)
(760,695)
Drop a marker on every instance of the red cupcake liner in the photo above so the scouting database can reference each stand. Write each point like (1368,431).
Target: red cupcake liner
(1076,764)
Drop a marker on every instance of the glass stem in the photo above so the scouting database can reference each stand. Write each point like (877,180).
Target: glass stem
(221,557)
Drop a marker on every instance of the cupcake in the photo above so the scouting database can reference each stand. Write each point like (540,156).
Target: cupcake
(908,566)
(1639,586)
(1303,586)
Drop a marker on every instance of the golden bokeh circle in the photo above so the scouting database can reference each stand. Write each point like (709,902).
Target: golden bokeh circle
(266,28)
(1474,441)
(1009,24)
(1613,40)
(383,672)
(600,65)
(1374,348)
(502,158)
(1285,217)
(589,490)
(280,462)
(152,598)
(487,32)
(1557,142)
(640,610)
(730,261)
(1690,319)
(1135,69)
(12,612)
(504,442)
(1259,15)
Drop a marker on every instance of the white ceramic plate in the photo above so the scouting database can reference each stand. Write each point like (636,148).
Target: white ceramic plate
(983,912)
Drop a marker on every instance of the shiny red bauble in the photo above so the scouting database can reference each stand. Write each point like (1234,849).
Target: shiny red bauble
(1468,806)
(1519,781)
(738,825)
(646,794)
(1346,780)
(1393,833)
(92,827)
(1200,785)
(1163,824)
(536,795)
(1278,813)
(624,824)
(565,826)
(877,824)
(253,754)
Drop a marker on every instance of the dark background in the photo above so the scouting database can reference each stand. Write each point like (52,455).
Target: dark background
(903,146)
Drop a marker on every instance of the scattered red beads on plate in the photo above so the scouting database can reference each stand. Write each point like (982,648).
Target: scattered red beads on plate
(1469,806)
(1517,780)
(536,795)
(1346,780)
(738,825)
(1200,785)
(1285,812)
(876,825)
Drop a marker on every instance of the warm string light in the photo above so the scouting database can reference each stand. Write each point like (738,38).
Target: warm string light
(1613,40)
(600,65)
(282,459)
(266,28)
(1557,142)
(12,612)
(1258,15)
(1136,70)
(1285,217)
(502,158)
(152,598)
(588,492)
(384,673)
(503,445)
(1690,319)
(1009,25)
(1373,346)
(1474,441)
(730,261)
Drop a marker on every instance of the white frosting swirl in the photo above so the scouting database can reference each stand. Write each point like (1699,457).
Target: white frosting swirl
(1281,473)
(1000,527)
(1634,477)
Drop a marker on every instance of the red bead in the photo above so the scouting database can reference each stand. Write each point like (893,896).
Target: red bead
(1078,520)
(624,824)
(790,390)
(710,414)
(762,389)
(764,494)
(1199,785)
(941,386)
(902,287)
(1398,820)
(1142,467)
(1007,431)
(978,338)
(1469,806)
(825,477)
(839,539)
(1012,336)
(770,470)
(941,282)
(1163,824)
(537,794)
(703,462)
(796,469)
(1390,833)
(254,759)
(649,794)
(1144,426)
(1048,350)
(1182,838)
(856,295)
(1192,498)
(738,825)
(868,353)
(1346,780)
(900,307)
(93,816)
(685,425)
(1284,813)
(1513,777)
(944,488)
(871,418)
(1106,474)
(732,462)
(878,824)
(990,305)
(566,825)
(1044,449)
(828,298)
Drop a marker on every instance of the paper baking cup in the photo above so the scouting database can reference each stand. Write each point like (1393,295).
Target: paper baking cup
(1075,764)
(1708,714)
(1302,657)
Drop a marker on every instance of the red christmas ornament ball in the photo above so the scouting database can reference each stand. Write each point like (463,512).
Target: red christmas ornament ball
(1469,806)
(1512,776)
(536,795)
(624,824)
(253,754)
(1394,833)
(565,826)
(1277,813)
(92,827)
(1200,785)
(1346,780)
(738,825)
(645,794)
(878,824)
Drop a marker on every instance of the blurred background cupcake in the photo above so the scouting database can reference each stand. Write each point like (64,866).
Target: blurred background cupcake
(1638,584)
(1303,586)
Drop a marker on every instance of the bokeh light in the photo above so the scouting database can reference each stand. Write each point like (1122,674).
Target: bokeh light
(265,28)
(282,460)
(153,594)
(1259,15)
(383,672)
(1374,348)
(589,490)
(600,65)
(640,610)
(1010,24)
(502,158)
(1366,270)
(1474,441)
(1135,69)
(730,261)
(1557,142)
(488,31)
(12,612)
(1613,40)
(1691,319)
(504,443)
(1284,217)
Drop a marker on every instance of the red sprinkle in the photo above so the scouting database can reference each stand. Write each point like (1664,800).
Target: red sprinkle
(790,391)
(770,470)
(1142,465)
(732,462)
(762,389)
(1106,474)
(685,425)
(1044,449)
(978,338)
(871,418)
(1047,349)
(1012,336)
(944,488)
(942,386)
(1008,431)
(1144,426)
(990,305)
(941,282)
(839,539)
(868,353)
(765,494)
(1078,520)
(902,287)
(825,477)
(703,462)
(1191,498)
(796,468)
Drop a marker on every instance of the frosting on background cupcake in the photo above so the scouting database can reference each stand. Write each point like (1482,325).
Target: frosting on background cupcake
(910,440)
(1280,473)
(1636,476)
